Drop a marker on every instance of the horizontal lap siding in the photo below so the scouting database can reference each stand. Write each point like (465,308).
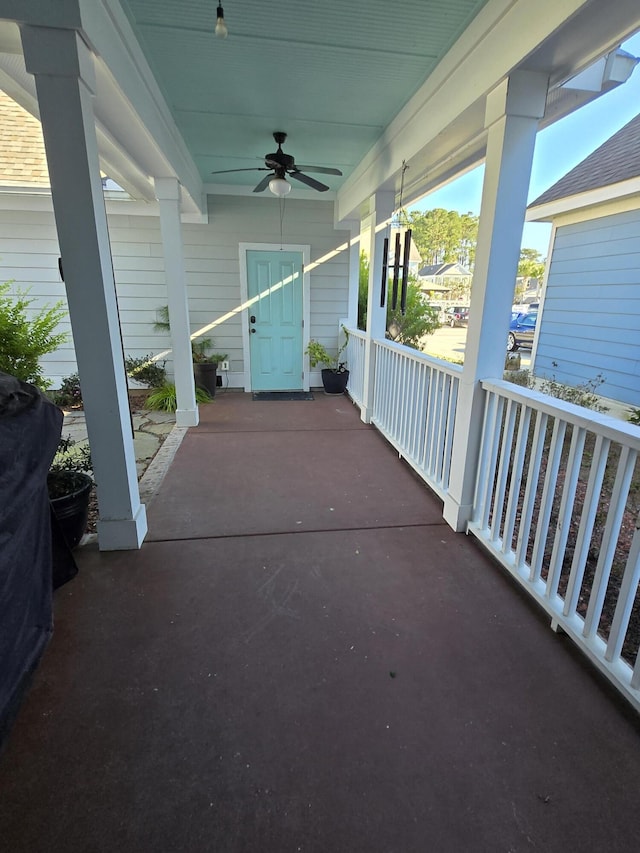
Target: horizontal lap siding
(29,254)
(591,319)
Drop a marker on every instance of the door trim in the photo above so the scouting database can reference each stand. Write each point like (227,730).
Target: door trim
(305,251)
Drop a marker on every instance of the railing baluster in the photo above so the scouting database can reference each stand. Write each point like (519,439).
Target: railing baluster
(503,470)
(548,493)
(617,505)
(587,520)
(566,510)
(516,478)
(626,598)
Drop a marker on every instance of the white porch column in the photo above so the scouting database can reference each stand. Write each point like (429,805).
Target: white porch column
(354,270)
(373,231)
(513,110)
(168,195)
(64,73)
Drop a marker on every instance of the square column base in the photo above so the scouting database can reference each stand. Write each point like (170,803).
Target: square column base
(125,534)
(456,516)
(187,417)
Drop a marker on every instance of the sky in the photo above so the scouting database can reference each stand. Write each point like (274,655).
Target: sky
(558,149)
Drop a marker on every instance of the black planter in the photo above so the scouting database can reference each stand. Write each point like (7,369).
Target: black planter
(334,383)
(205,373)
(69,496)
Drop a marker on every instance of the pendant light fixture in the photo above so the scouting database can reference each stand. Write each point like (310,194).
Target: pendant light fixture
(279,186)
(221,30)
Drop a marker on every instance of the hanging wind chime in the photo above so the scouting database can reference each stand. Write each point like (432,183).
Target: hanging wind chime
(405,250)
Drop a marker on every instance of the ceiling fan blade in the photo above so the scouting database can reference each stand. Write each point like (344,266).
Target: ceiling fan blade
(250,169)
(310,182)
(322,170)
(264,183)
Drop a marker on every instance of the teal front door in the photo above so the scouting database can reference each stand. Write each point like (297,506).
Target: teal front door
(274,284)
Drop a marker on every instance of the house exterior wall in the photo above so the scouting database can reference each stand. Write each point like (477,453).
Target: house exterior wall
(29,255)
(590,320)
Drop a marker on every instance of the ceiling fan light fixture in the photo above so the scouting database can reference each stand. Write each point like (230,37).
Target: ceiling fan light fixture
(279,186)
(221,30)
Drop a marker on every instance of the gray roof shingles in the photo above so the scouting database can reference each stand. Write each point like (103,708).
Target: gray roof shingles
(616,160)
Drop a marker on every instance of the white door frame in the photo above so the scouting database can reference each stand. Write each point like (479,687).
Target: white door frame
(305,251)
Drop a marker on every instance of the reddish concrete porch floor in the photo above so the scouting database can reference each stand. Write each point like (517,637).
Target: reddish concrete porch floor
(303,657)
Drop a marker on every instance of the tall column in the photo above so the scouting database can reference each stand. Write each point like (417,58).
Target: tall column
(354,270)
(513,111)
(373,231)
(64,74)
(168,195)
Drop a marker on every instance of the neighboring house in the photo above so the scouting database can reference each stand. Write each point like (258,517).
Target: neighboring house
(414,255)
(590,320)
(29,253)
(444,279)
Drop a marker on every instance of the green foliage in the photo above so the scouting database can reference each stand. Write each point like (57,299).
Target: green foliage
(71,456)
(419,320)
(144,369)
(164,398)
(519,377)
(318,354)
(199,349)
(634,416)
(444,236)
(531,264)
(23,339)
(580,395)
(70,393)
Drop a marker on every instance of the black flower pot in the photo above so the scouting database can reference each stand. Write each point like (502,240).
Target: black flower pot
(205,373)
(334,382)
(69,496)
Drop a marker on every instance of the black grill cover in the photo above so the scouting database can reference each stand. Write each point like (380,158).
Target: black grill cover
(30,428)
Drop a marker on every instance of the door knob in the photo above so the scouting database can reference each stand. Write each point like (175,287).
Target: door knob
(253,331)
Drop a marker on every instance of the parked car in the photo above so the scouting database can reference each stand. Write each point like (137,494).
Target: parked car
(456,316)
(521,330)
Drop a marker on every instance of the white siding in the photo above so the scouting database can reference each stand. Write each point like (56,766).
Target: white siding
(29,255)
(591,318)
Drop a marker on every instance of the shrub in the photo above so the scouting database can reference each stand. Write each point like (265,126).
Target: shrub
(25,340)
(164,399)
(144,369)
(69,393)
(580,395)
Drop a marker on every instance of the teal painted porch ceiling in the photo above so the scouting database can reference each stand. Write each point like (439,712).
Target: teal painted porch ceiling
(330,74)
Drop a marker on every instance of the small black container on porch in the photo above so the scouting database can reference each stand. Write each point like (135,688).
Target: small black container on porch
(205,375)
(334,381)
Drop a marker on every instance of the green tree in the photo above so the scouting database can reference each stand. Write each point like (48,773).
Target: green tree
(531,264)
(419,319)
(25,339)
(444,236)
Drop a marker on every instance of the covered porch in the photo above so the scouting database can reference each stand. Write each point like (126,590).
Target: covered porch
(305,656)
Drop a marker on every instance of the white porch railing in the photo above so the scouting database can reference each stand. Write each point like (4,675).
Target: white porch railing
(557,499)
(414,408)
(354,356)
(556,503)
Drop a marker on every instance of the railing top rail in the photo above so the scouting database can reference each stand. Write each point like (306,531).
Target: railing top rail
(416,355)
(597,422)
(356,333)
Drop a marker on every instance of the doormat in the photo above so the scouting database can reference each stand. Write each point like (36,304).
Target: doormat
(282,395)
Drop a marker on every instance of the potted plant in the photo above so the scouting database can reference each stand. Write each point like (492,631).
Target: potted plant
(335,374)
(69,485)
(205,364)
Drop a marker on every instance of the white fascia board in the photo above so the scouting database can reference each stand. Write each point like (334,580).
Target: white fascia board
(503,37)
(579,202)
(130,103)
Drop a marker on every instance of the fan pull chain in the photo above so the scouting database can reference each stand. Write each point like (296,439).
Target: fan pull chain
(282,204)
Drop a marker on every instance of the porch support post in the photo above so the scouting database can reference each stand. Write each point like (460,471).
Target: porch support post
(513,111)
(64,74)
(373,231)
(354,270)
(168,195)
